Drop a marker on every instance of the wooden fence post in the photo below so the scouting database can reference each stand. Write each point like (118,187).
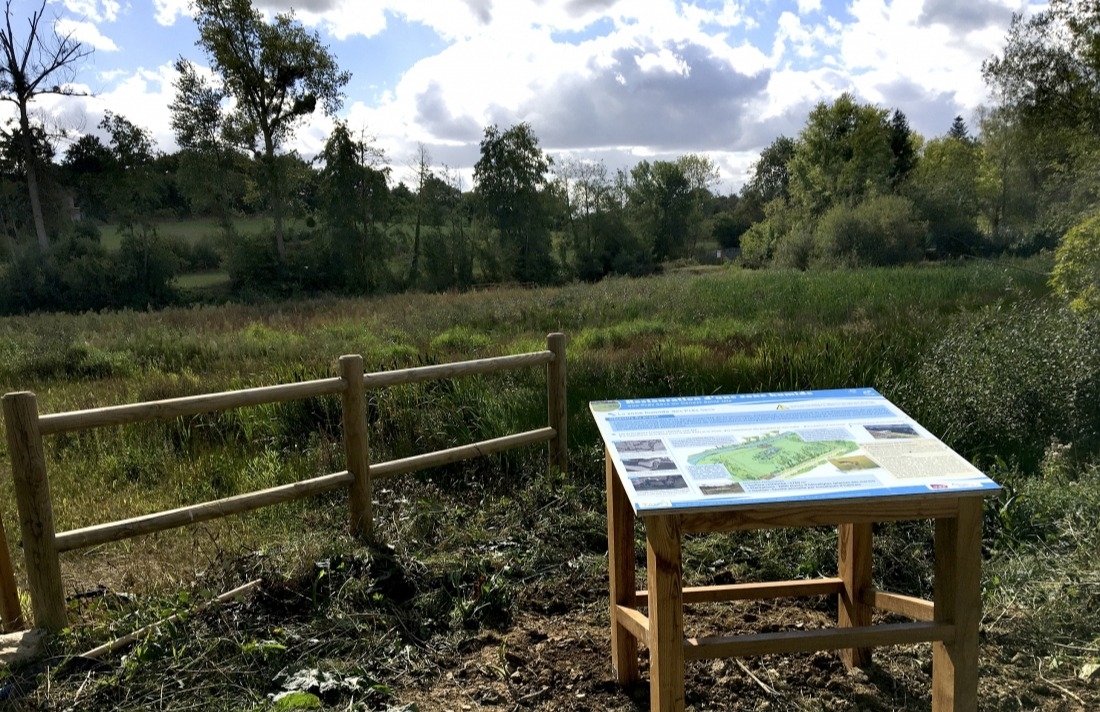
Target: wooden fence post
(555,392)
(356,447)
(32,494)
(10,610)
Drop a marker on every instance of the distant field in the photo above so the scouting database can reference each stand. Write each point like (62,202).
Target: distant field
(190,230)
(202,280)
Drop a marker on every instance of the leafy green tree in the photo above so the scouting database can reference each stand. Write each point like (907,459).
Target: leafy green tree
(661,204)
(212,171)
(945,189)
(510,178)
(448,257)
(32,65)
(1076,275)
(352,191)
(146,263)
(86,167)
(277,73)
(844,154)
(600,239)
(1047,80)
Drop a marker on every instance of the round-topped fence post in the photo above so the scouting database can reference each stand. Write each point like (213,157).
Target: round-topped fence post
(32,495)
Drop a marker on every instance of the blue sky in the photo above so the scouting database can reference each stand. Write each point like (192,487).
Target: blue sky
(611,80)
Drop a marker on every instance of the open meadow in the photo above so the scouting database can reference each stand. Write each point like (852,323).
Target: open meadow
(489,590)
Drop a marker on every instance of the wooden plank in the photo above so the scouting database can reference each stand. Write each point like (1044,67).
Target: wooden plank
(383,379)
(456,454)
(854,565)
(356,448)
(753,591)
(666,614)
(916,608)
(958,602)
(633,622)
(827,513)
(188,405)
(556,402)
(32,496)
(620,573)
(125,529)
(803,641)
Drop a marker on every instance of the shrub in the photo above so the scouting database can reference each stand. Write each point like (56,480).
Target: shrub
(1004,383)
(1076,274)
(883,230)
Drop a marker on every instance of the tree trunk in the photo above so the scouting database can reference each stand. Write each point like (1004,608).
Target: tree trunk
(275,195)
(32,177)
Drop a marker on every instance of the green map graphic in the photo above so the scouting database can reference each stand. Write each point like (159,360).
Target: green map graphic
(773,456)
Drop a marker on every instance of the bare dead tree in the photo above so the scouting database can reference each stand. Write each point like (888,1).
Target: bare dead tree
(28,63)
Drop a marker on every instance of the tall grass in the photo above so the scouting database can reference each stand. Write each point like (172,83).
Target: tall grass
(678,334)
(970,350)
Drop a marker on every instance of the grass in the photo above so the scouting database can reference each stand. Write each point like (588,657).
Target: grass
(470,546)
(190,231)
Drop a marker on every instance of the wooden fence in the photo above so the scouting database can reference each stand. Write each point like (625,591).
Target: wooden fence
(42,544)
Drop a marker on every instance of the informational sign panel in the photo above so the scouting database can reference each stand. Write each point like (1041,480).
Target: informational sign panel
(726,451)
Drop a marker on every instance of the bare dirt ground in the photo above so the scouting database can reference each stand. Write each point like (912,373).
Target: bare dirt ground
(562,663)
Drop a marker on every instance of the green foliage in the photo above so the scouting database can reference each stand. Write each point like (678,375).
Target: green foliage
(945,189)
(662,205)
(277,72)
(1001,384)
(759,242)
(843,155)
(1076,275)
(883,230)
(509,178)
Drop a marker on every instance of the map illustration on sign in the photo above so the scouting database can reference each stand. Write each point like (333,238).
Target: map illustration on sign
(772,456)
(728,450)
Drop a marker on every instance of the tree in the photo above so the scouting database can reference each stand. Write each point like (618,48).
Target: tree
(86,166)
(146,265)
(211,173)
(661,203)
(29,63)
(277,73)
(945,187)
(843,155)
(421,170)
(771,177)
(903,146)
(352,192)
(1047,80)
(1076,275)
(510,177)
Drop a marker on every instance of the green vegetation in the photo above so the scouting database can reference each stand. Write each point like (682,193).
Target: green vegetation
(473,551)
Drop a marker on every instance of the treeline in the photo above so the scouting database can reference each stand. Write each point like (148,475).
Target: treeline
(855,187)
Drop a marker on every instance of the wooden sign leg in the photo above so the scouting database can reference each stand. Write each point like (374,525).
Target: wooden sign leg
(958,600)
(620,569)
(666,614)
(854,564)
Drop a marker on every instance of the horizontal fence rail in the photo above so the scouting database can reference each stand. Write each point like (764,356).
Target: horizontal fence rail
(42,544)
(188,405)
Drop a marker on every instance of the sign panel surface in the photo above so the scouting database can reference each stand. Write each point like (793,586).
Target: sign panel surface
(726,451)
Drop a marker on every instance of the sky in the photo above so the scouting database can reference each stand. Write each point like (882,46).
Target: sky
(612,80)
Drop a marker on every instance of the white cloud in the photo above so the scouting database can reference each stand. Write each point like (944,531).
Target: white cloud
(168,10)
(805,7)
(86,33)
(94,10)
